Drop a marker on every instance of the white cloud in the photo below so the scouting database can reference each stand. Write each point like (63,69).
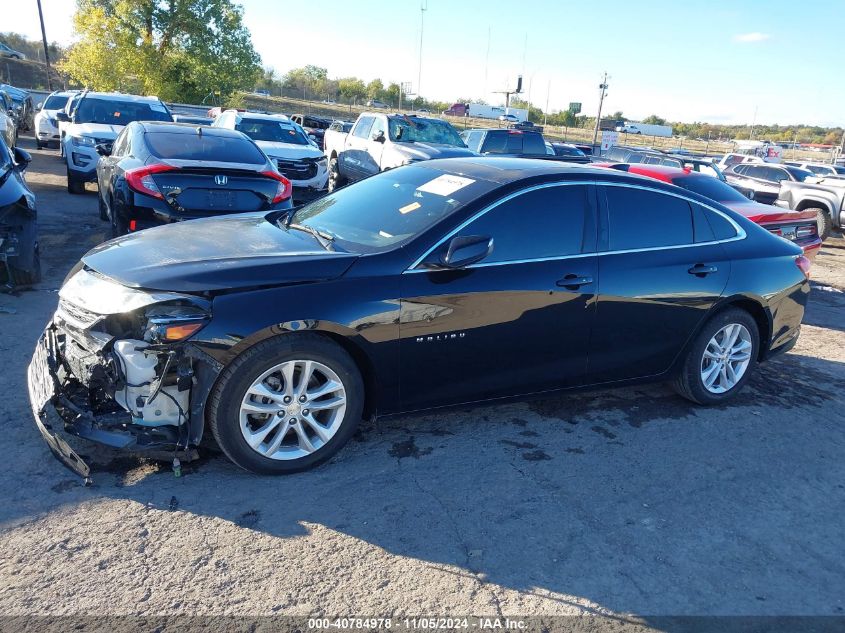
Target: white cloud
(746,38)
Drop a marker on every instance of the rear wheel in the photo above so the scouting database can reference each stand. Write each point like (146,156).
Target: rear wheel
(287,404)
(721,359)
(118,224)
(336,181)
(39,144)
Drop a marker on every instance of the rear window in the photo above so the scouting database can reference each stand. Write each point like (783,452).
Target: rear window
(203,147)
(513,142)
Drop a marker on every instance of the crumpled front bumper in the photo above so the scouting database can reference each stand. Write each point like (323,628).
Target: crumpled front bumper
(43,383)
(56,407)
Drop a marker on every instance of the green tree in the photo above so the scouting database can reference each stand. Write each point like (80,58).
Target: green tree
(654,120)
(180,50)
(352,89)
(375,89)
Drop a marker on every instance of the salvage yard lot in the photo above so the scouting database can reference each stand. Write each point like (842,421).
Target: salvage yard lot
(630,502)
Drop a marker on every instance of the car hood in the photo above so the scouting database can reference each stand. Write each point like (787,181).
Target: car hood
(216,254)
(426,151)
(288,150)
(766,213)
(97,130)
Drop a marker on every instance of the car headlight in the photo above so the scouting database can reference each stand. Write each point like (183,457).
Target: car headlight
(82,141)
(322,162)
(169,323)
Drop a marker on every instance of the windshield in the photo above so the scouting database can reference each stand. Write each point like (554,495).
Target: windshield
(710,187)
(839,170)
(411,130)
(55,102)
(113,112)
(410,200)
(272,131)
(800,174)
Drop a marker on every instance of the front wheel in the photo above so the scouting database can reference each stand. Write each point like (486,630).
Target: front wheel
(286,404)
(74,186)
(721,359)
(336,181)
(101,205)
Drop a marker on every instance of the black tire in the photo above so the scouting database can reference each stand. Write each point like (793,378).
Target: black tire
(101,206)
(824,221)
(39,144)
(19,277)
(336,181)
(225,400)
(118,225)
(74,186)
(689,384)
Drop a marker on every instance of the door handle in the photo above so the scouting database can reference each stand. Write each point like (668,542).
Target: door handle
(573,282)
(702,270)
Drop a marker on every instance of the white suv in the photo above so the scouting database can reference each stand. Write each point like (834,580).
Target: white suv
(286,144)
(97,118)
(46,126)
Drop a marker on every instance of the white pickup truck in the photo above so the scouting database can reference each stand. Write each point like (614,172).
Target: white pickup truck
(378,142)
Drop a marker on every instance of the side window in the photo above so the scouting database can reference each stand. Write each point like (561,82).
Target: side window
(473,139)
(646,219)
(378,126)
(533,143)
(547,222)
(120,144)
(495,142)
(752,171)
(363,127)
(722,229)
(776,175)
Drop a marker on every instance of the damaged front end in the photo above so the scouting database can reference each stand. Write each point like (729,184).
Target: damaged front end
(19,242)
(115,366)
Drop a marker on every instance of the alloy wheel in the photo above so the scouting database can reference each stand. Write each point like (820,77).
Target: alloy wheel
(726,358)
(293,409)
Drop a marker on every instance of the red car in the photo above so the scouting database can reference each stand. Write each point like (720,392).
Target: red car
(796,226)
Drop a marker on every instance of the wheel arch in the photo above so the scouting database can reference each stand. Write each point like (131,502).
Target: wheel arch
(814,203)
(341,336)
(762,317)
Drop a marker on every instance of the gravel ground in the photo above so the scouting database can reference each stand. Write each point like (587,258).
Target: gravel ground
(616,502)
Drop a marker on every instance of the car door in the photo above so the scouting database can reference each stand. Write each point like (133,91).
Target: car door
(516,322)
(106,164)
(660,270)
(371,160)
(354,152)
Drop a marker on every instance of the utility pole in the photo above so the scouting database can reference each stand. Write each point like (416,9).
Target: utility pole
(603,87)
(546,111)
(487,62)
(423,9)
(753,123)
(46,52)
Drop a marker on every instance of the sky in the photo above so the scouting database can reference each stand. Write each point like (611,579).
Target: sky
(720,61)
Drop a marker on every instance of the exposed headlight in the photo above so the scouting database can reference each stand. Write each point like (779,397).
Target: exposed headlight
(168,323)
(322,161)
(82,141)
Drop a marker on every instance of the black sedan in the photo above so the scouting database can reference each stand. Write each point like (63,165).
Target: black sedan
(443,283)
(160,172)
(19,259)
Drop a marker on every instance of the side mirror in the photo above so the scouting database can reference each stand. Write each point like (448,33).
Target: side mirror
(378,136)
(22,158)
(38,106)
(103,149)
(463,251)
(63,117)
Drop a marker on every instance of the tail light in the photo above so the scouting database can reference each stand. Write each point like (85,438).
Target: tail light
(141,180)
(284,189)
(804,265)
(133,225)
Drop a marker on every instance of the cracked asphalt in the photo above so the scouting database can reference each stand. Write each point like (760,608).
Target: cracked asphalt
(613,502)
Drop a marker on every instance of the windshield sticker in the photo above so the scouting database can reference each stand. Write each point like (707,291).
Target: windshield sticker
(445,185)
(410,207)
(117,115)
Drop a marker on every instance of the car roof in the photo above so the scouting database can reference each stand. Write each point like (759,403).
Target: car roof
(262,115)
(186,128)
(659,172)
(504,169)
(119,96)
